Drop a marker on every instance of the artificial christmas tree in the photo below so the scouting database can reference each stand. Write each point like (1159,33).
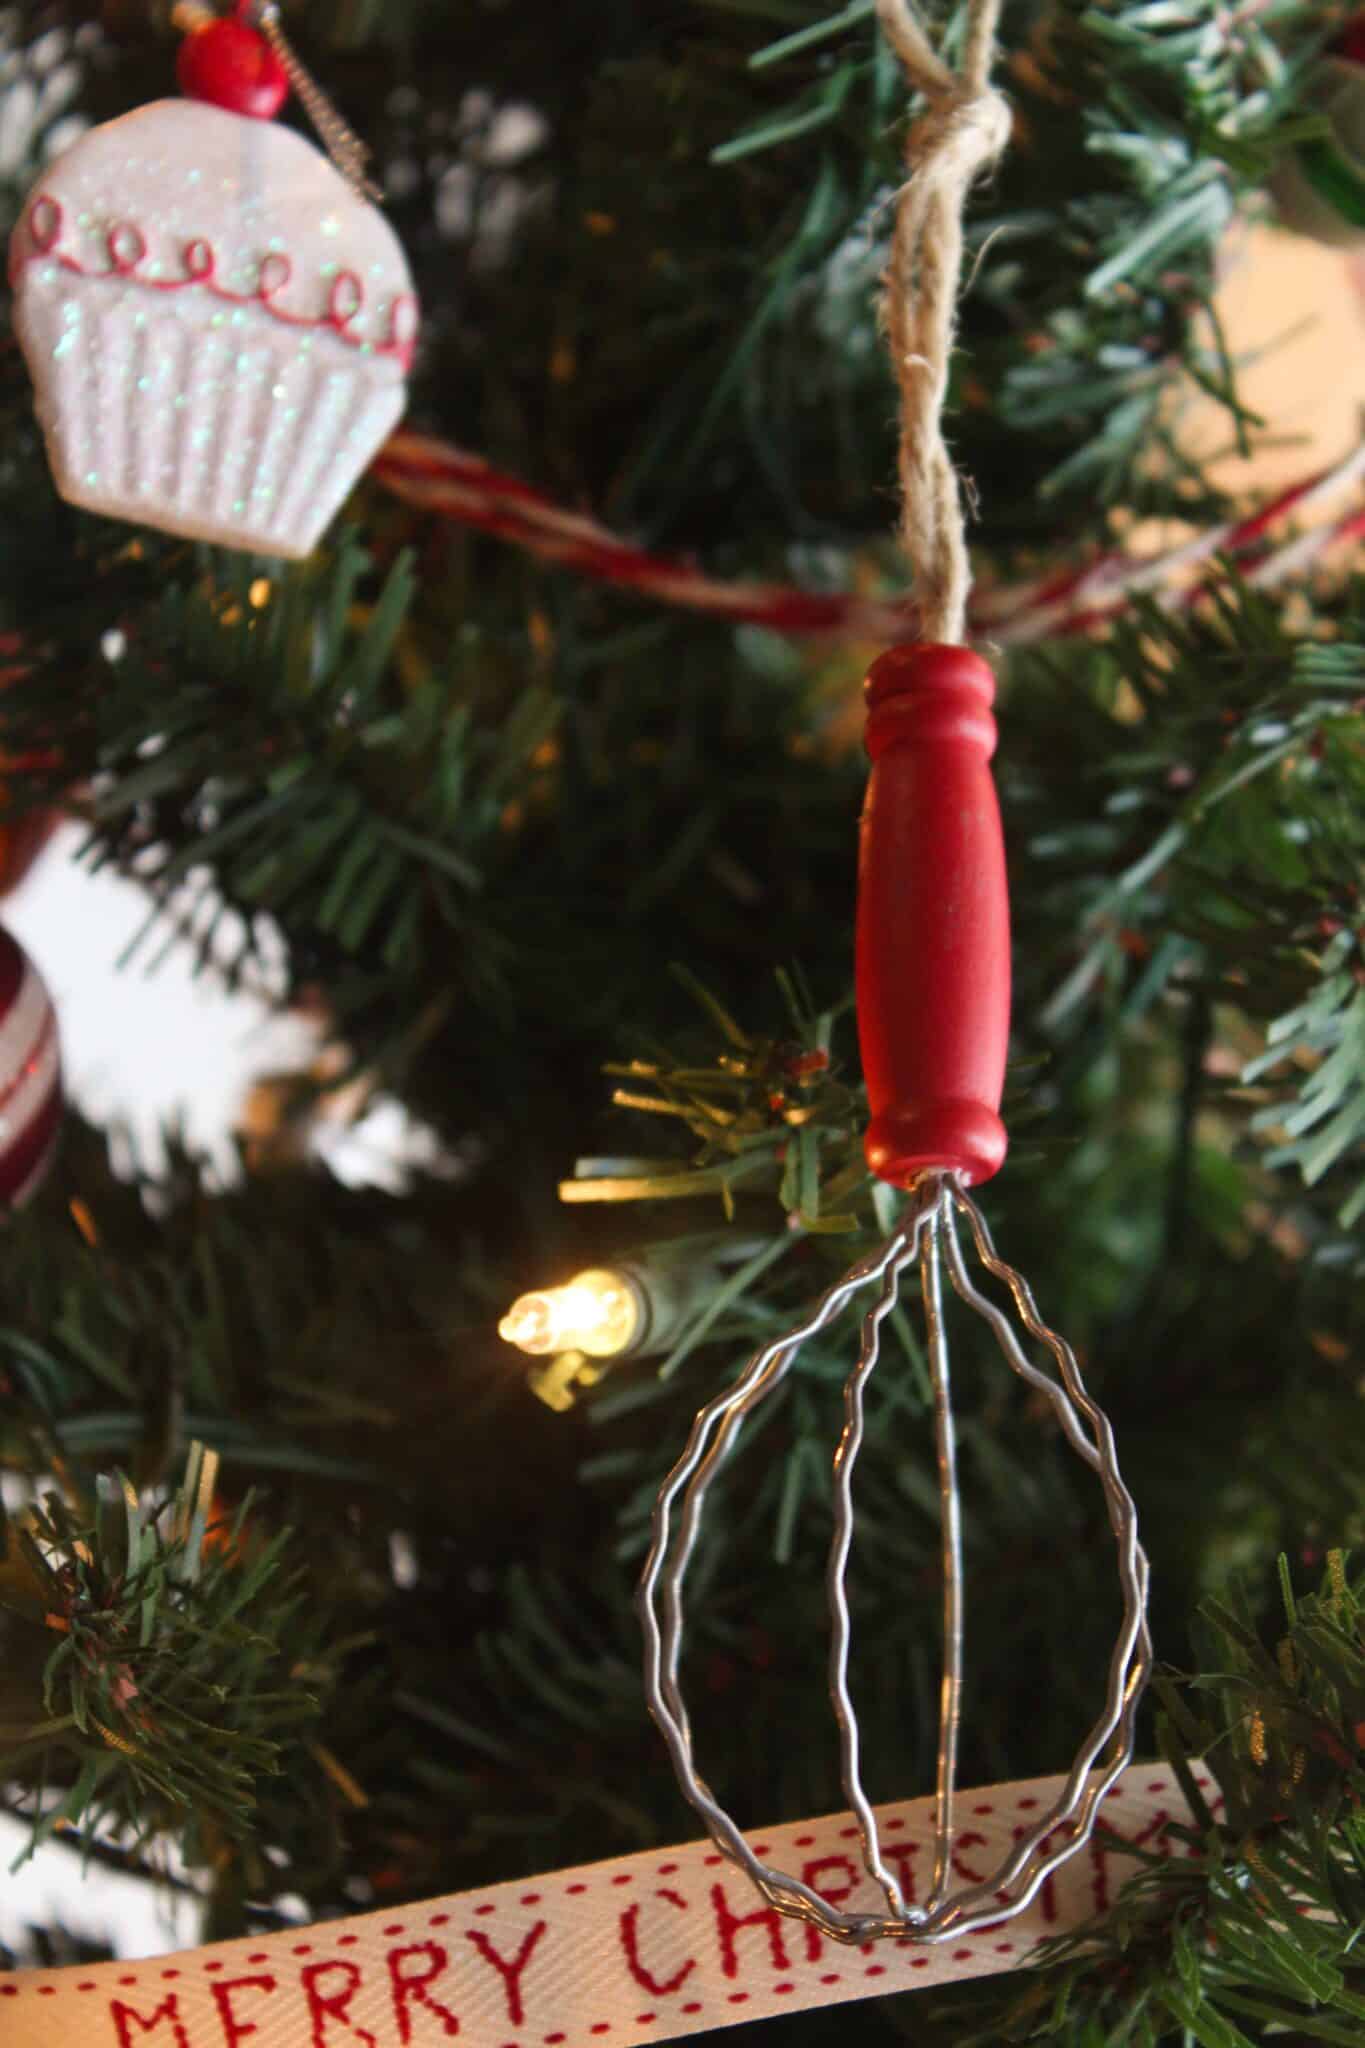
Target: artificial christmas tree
(540,765)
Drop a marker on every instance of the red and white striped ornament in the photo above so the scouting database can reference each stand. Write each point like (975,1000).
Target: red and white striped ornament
(30,1075)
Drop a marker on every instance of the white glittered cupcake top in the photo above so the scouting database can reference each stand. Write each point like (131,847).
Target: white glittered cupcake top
(184,198)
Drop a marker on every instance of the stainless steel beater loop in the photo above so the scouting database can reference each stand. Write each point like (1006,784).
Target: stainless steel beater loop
(928,1233)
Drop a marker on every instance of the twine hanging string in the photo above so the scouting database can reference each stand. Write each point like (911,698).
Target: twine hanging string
(963,129)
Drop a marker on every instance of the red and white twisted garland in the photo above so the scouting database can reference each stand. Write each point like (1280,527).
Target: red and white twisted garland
(437,477)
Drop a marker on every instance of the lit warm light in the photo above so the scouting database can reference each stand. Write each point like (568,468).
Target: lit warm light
(597,1312)
(259,593)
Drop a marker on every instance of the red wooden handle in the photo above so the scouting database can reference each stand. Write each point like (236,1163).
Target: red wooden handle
(933,919)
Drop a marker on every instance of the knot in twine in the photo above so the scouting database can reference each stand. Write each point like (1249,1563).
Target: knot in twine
(963,129)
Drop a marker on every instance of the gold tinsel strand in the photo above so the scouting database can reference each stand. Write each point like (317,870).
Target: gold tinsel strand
(1336,1574)
(1256,1741)
(351,1791)
(118,1742)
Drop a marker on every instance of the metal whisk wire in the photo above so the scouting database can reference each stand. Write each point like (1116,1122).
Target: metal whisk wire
(670,1553)
(845,1458)
(928,1232)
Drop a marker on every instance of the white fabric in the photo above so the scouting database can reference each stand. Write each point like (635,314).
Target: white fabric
(648,1948)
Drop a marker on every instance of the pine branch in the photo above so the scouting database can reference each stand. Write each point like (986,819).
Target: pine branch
(1227,821)
(185,1669)
(1137,139)
(1255,1938)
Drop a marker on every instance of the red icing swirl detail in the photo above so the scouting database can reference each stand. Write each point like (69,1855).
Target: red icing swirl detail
(199,260)
(403,324)
(127,250)
(45,224)
(127,246)
(274,274)
(345,300)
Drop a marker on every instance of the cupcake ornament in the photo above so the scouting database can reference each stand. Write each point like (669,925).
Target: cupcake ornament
(217,320)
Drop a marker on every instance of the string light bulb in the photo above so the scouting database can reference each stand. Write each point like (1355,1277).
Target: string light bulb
(627,1309)
(600,1312)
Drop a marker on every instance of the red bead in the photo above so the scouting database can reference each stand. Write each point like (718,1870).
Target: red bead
(230,64)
